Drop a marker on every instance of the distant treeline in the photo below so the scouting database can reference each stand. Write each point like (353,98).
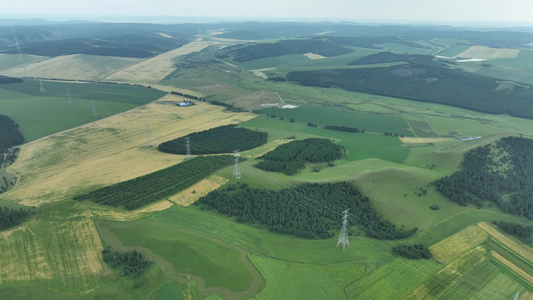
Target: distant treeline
(412,251)
(386,57)
(515,229)
(10,217)
(124,46)
(9,133)
(188,96)
(290,158)
(5,79)
(501,172)
(310,211)
(344,128)
(222,139)
(297,46)
(427,83)
(214,102)
(133,262)
(155,186)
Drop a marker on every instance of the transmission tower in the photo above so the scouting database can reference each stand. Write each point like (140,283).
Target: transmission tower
(236,169)
(516,296)
(188,149)
(69,101)
(343,237)
(95,113)
(21,58)
(148,140)
(41,87)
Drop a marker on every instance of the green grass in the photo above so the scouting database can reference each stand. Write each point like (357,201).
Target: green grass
(323,115)
(217,263)
(288,280)
(40,114)
(168,291)
(399,48)
(454,50)
(394,280)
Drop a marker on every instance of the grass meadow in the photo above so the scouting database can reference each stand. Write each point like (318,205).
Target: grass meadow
(40,114)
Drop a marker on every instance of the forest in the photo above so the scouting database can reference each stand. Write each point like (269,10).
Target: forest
(501,173)
(290,158)
(310,210)
(515,229)
(5,79)
(426,83)
(222,139)
(9,133)
(155,186)
(10,217)
(412,251)
(283,47)
(133,262)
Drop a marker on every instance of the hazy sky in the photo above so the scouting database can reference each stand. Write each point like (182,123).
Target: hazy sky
(426,10)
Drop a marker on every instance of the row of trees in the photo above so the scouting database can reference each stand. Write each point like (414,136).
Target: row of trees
(290,158)
(222,139)
(155,186)
(515,229)
(10,217)
(5,79)
(412,251)
(133,262)
(310,210)
(501,173)
(344,128)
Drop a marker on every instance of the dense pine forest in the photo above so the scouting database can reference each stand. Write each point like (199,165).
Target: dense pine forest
(9,133)
(223,139)
(412,251)
(427,83)
(10,217)
(310,210)
(155,186)
(133,262)
(290,158)
(501,173)
(515,229)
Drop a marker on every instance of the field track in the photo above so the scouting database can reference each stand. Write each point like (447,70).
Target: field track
(422,140)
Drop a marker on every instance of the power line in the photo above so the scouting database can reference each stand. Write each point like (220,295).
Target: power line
(69,99)
(188,153)
(343,237)
(148,140)
(236,169)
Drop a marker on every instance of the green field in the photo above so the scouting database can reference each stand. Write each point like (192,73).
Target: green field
(40,114)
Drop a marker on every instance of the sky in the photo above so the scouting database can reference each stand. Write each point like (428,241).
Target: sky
(516,11)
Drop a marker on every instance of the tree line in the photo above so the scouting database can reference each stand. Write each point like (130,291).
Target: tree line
(310,210)
(290,158)
(222,139)
(501,172)
(344,128)
(10,217)
(515,229)
(5,79)
(412,251)
(132,262)
(155,186)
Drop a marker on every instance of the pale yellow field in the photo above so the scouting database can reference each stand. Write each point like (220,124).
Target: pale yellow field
(312,55)
(107,213)
(156,68)
(74,67)
(64,252)
(514,244)
(449,249)
(512,266)
(200,189)
(482,52)
(422,140)
(108,151)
